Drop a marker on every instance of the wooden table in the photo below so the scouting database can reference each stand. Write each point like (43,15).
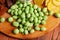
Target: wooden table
(53,35)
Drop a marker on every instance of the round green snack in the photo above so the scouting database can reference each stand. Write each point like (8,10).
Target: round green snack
(19,20)
(25,32)
(20,5)
(10,19)
(57,15)
(16,24)
(37,28)
(2,19)
(43,28)
(21,30)
(41,14)
(50,12)
(44,10)
(12,12)
(16,31)
(32,31)
(40,18)
(43,22)
(15,17)
(35,6)
(45,17)
(9,11)
(21,25)
(14,6)
(39,9)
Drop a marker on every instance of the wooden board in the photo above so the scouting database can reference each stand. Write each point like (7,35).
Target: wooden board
(7,28)
(52,35)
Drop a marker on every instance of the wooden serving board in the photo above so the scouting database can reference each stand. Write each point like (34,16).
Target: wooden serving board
(7,28)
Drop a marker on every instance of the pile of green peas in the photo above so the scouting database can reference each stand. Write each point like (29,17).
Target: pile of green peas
(27,15)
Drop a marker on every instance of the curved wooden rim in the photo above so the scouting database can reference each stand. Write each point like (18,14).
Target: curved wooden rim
(7,28)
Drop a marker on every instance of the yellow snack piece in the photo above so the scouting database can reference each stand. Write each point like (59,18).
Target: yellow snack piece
(38,2)
(56,2)
(53,8)
(46,2)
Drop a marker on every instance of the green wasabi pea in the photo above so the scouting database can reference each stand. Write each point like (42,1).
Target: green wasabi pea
(21,30)
(43,28)
(19,12)
(39,9)
(37,28)
(16,31)
(23,15)
(31,19)
(2,19)
(10,19)
(29,28)
(39,21)
(27,23)
(57,15)
(19,20)
(23,21)
(32,31)
(12,12)
(35,11)
(37,14)
(46,13)
(43,22)
(45,17)
(20,5)
(41,14)
(25,32)
(9,11)
(14,6)
(40,18)
(16,24)
(35,20)
(17,3)
(25,4)
(44,10)
(36,24)
(50,12)
(16,9)
(28,15)
(15,17)
(16,13)
(26,27)
(21,25)
(35,6)
(28,2)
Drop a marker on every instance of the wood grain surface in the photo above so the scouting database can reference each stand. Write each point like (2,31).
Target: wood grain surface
(53,35)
